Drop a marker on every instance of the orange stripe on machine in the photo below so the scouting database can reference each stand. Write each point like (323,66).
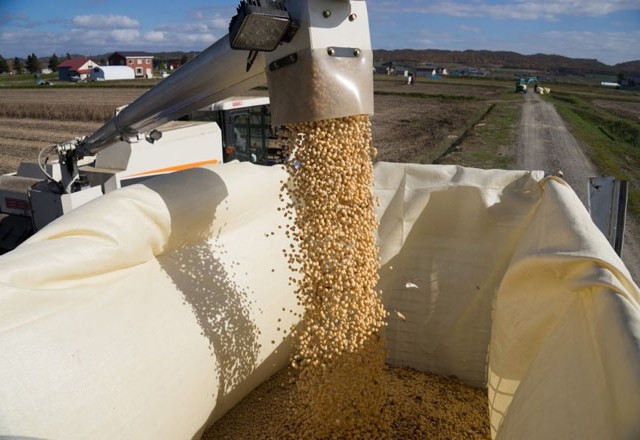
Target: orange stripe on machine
(185,166)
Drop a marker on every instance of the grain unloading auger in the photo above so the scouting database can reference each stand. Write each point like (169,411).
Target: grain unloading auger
(315,56)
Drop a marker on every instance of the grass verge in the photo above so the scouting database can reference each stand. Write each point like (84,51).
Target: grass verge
(611,142)
(489,142)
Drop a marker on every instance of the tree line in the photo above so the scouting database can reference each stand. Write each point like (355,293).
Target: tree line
(31,64)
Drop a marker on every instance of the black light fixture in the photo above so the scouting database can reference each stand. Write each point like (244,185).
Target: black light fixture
(154,135)
(259,25)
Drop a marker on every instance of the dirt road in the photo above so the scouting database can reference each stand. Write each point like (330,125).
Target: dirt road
(544,143)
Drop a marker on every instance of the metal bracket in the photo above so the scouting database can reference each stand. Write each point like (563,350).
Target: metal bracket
(607,206)
(344,52)
(282,62)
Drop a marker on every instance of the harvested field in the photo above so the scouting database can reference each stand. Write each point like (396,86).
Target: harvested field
(22,139)
(31,119)
(96,105)
(448,90)
(427,126)
(624,109)
(65,104)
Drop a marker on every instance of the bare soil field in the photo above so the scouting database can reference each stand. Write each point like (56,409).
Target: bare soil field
(431,121)
(31,119)
(69,96)
(450,89)
(624,109)
(22,139)
(413,129)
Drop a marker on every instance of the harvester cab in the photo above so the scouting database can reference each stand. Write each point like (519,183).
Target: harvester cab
(247,133)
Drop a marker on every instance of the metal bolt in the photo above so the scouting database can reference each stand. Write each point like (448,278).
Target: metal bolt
(356,52)
(326,13)
(331,51)
(352,17)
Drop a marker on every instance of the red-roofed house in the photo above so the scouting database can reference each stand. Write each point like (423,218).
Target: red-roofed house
(140,62)
(75,69)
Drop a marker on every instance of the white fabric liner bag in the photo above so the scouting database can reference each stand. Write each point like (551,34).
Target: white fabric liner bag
(152,311)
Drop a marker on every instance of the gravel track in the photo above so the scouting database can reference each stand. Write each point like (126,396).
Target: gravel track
(545,143)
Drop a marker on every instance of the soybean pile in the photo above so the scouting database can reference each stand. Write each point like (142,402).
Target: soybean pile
(420,406)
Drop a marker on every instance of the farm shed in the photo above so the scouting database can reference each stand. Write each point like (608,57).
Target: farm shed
(105,73)
(75,69)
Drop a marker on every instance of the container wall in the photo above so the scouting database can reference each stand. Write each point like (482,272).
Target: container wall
(150,312)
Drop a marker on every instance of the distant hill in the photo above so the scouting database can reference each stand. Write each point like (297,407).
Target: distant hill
(549,64)
(630,67)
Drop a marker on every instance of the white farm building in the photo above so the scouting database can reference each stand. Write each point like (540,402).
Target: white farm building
(105,73)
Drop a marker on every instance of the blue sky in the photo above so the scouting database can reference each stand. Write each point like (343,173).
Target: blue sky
(607,30)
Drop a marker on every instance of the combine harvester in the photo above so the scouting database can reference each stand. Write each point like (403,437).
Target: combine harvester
(235,128)
(150,311)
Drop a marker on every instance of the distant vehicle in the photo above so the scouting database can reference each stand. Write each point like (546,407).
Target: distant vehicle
(40,81)
(104,73)
(523,84)
(74,78)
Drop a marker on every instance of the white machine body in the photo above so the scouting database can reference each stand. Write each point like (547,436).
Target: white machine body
(197,141)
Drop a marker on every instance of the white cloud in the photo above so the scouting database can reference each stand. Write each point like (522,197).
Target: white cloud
(124,35)
(154,36)
(473,29)
(102,33)
(195,35)
(194,40)
(220,24)
(187,28)
(514,10)
(588,7)
(106,22)
(424,42)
